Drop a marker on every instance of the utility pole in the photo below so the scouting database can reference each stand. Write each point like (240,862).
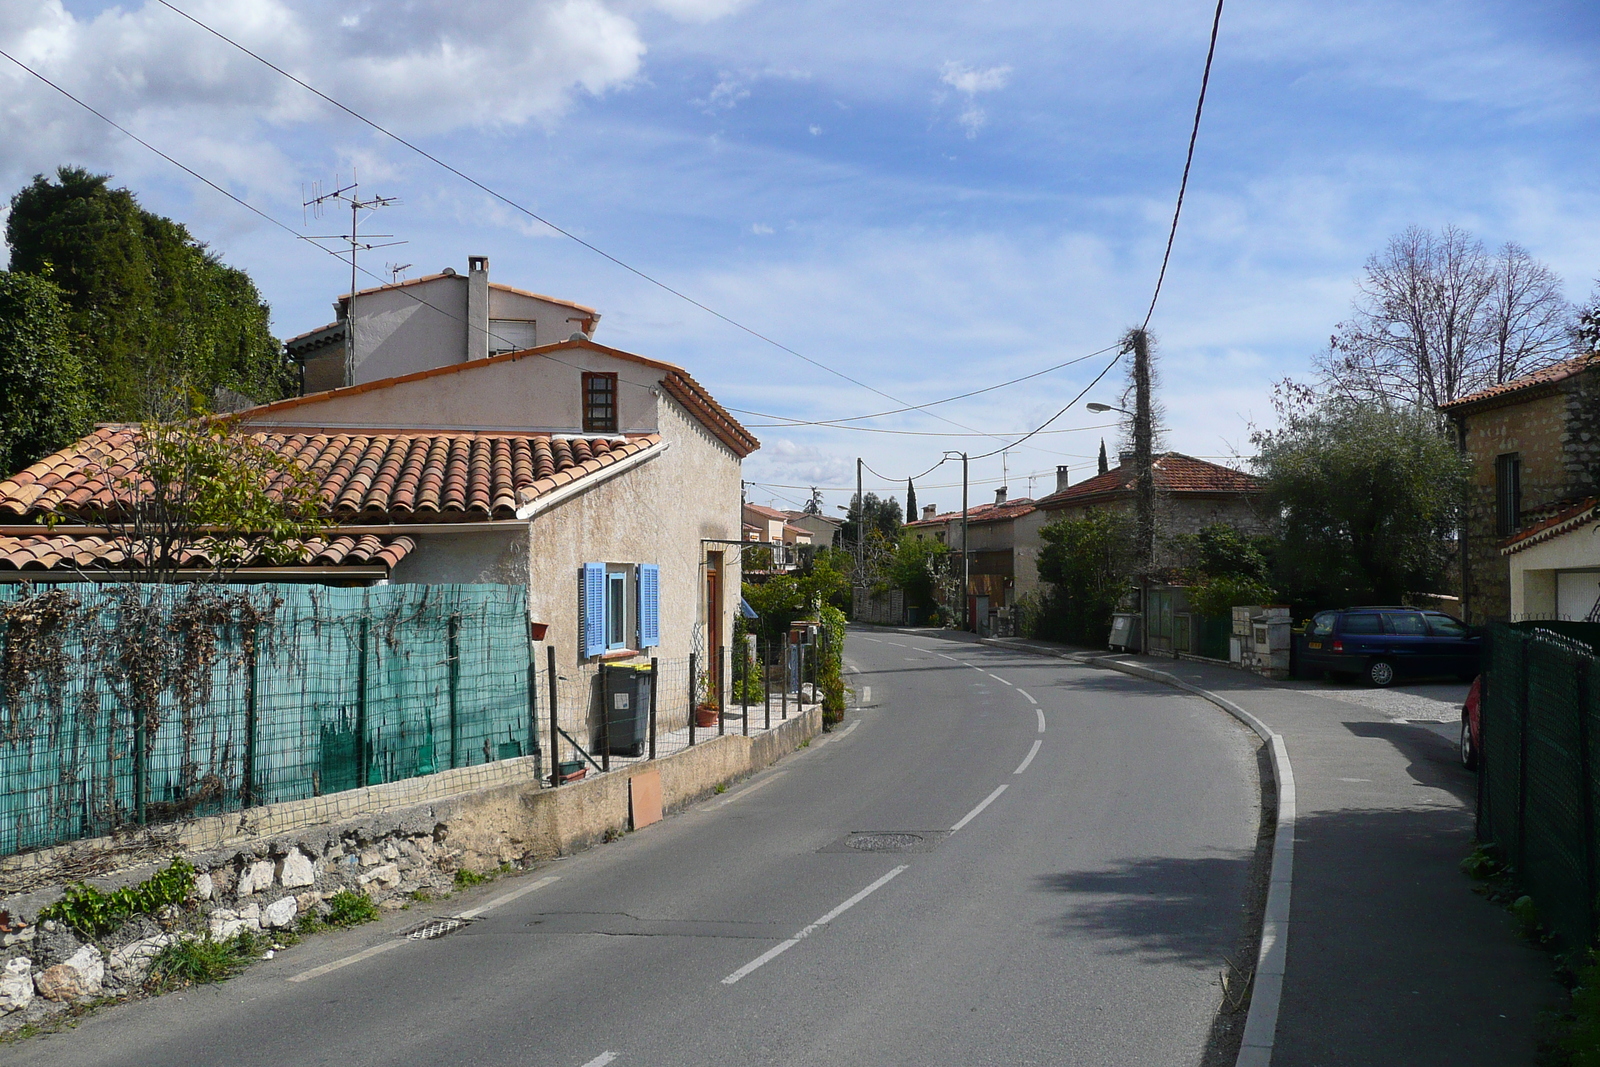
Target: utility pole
(966,554)
(350,194)
(1144,476)
(861,529)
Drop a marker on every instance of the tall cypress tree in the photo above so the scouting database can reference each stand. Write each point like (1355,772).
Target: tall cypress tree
(911,501)
(1104,466)
(157,315)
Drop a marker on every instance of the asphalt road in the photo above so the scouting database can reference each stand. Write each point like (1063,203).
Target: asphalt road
(1078,915)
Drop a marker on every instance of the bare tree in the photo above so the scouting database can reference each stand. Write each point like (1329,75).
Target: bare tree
(1436,317)
(1586,329)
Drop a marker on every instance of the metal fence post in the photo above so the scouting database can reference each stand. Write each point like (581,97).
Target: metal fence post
(766,687)
(605,719)
(363,756)
(744,687)
(722,690)
(250,715)
(694,693)
(783,683)
(453,650)
(1581,681)
(555,723)
(533,707)
(1522,756)
(655,683)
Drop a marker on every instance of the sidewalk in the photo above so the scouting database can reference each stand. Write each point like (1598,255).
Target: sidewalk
(1392,958)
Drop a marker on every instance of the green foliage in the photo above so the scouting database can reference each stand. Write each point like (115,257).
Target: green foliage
(44,404)
(195,961)
(881,515)
(1088,563)
(915,568)
(1581,1039)
(349,908)
(466,879)
(95,914)
(154,310)
(1368,498)
(830,664)
(783,598)
(1218,596)
(1527,916)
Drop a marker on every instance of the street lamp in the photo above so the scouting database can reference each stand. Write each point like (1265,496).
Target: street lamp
(1107,407)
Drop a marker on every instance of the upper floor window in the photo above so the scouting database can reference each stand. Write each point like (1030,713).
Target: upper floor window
(599,402)
(1507,494)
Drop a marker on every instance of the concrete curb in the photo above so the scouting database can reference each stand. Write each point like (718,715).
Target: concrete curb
(1266,997)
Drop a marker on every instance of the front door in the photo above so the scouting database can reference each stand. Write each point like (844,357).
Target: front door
(714,622)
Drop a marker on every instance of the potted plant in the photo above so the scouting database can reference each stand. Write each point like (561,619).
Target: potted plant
(705,708)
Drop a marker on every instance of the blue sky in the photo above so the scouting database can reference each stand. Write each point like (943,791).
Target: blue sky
(928,203)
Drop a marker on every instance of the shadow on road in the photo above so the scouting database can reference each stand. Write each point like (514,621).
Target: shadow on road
(1434,761)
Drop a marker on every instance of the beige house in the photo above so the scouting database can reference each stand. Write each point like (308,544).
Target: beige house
(823,530)
(990,541)
(429,322)
(618,507)
(1555,566)
(1533,445)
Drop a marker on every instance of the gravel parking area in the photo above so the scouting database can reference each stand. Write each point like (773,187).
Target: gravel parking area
(1426,701)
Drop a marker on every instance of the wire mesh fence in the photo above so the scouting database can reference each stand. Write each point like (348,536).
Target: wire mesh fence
(1539,775)
(127,705)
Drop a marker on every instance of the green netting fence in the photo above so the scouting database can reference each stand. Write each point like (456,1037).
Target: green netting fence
(1539,775)
(127,705)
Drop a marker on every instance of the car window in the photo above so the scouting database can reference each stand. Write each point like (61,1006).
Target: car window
(1362,623)
(1445,626)
(1405,623)
(1322,625)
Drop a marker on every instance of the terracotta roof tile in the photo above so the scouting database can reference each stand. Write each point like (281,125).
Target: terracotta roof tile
(394,477)
(1556,372)
(990,512)
(1174,473)
(1580,514)
(55,551)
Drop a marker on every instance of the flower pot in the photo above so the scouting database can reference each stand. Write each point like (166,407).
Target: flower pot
(537,630)
(705,715)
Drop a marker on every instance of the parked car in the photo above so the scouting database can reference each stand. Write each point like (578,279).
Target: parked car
(1385,643)
(1471,726)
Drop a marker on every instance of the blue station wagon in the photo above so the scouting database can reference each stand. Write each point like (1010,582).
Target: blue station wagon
(1384,643)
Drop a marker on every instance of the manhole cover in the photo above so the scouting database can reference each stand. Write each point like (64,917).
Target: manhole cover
(883,842)
(429,929)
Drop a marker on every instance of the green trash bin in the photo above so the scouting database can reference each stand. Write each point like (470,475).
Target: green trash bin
(627,711)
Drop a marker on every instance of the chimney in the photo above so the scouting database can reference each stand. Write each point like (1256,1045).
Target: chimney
(477,307)
(1124,459)
(928,512)
(1000,496)
(1062,478)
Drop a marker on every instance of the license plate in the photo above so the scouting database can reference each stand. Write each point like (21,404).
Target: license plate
(1314,644)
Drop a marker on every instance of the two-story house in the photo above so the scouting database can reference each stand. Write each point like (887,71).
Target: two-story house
(1533,452)
(989,542)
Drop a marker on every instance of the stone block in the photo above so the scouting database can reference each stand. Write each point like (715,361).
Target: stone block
(280,913)
(251,914)
(383,877)
(295,870)
(130,963)
(16,984)
(371,858)
(81,976)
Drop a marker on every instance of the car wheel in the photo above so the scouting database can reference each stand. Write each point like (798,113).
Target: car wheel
(1469,751)
(1380,672)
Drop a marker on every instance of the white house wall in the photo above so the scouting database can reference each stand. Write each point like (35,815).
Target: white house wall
(496,557)
(1534,570)
(397,333)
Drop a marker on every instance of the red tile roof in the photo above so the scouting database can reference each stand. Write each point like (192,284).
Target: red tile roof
(1174,473)
(1545,376)
(1561,522)
(990,512)
(766,513)
(63,551)
(371,477)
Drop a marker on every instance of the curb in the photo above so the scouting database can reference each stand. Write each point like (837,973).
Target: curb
(1266,997)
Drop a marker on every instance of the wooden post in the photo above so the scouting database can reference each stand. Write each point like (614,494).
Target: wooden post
(722,689)
(694,693)
(454,652)
(555,723)
(655,679)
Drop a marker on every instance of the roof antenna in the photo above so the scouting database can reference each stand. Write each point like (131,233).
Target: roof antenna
(350,194)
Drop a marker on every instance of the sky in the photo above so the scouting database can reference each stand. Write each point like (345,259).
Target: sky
(927,203)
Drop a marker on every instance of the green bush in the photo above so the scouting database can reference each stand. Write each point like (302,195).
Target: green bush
(466,879)
(349,908)
(196,961)
(830,664)
(95,914)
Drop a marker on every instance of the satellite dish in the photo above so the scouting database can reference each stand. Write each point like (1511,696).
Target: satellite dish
(578,337)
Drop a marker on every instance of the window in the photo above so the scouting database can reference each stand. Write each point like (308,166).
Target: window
(1445,626)
(511,335)
(599,403)
(619,607)
(1362,624)
(1322,625)
(1507,494)
(1405,624)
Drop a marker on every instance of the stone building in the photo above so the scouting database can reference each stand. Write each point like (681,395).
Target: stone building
(1533,445)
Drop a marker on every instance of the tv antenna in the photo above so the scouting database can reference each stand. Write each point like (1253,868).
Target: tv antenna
(316,202)
(395,271)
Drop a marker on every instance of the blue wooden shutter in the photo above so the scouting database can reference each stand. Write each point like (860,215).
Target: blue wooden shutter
(593,609)
(649,605)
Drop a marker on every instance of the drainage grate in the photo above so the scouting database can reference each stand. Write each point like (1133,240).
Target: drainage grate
(429,929)
(889,841)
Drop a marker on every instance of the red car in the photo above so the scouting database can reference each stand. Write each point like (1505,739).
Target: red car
(1471,728)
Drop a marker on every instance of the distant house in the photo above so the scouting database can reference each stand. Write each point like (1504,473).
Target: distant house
(429,322)
(1190,494)
(1533,445)
(617,507)
(990,542)
(823,530)
(780,540)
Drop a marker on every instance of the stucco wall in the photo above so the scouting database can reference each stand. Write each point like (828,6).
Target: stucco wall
(1025,551)
(1532,572)
(497,557)
(396,333)
(656,513)
(554,322)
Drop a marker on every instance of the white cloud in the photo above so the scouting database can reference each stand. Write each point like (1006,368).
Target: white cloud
(760,229)
(969,82)
(816,131)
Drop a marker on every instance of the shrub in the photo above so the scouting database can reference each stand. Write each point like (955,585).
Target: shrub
(95,914)
(349,908)
(196,961)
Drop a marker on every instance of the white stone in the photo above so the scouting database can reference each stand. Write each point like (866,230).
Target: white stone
(390,852)
(370,859)
(296,869)
(259,874)
(280,913)
(246,883)
(203,886)
(16,985)
(385,876)
(81,976)
(251,914)
(130,963)
(224,924)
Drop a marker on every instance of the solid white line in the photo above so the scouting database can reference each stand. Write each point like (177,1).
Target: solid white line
(973,814)
(317,972)
(784,946)
(601,1060)
(1029,695)
(506,898)
(1032,752)
(1040,712)
(747,790)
